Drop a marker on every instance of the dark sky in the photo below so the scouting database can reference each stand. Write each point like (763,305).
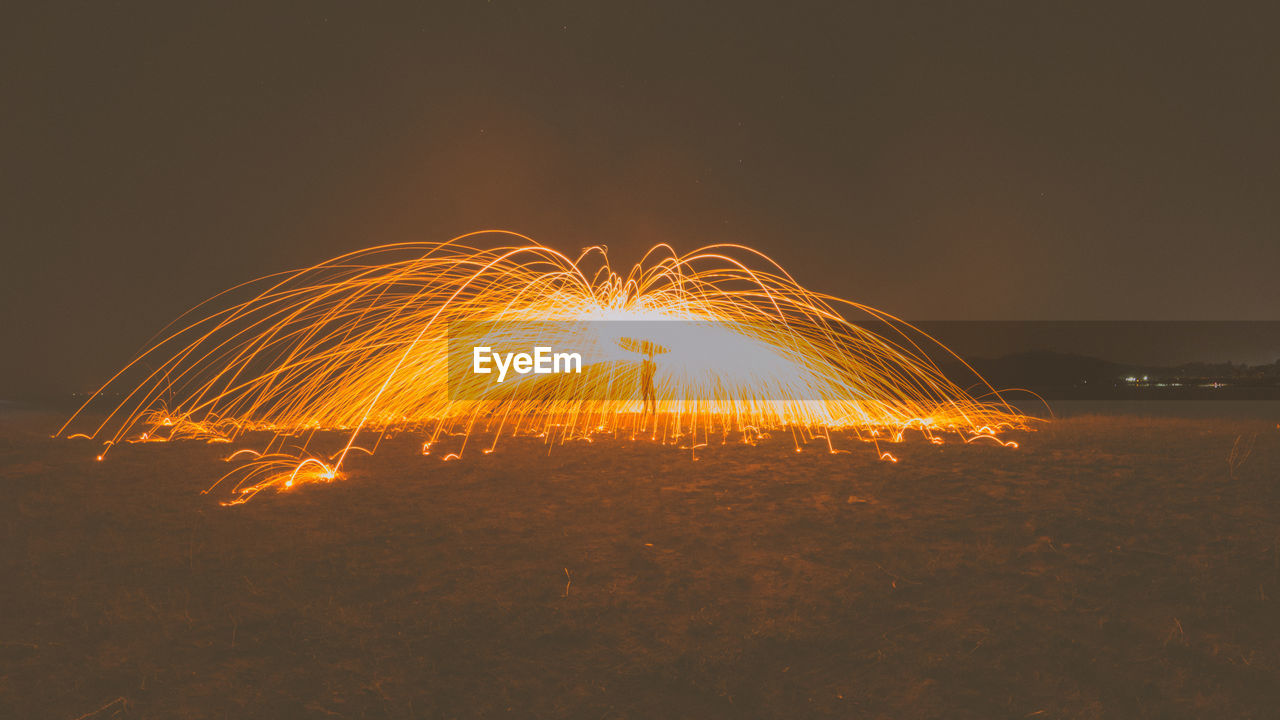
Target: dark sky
(1008,162)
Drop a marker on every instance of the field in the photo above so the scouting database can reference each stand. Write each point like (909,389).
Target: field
(1112,566)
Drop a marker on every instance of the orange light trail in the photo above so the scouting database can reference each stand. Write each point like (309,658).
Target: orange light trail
(359,345)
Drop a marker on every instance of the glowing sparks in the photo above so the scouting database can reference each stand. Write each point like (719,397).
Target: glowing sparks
(360,344)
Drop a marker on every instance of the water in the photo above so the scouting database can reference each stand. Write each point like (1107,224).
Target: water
(1199,409)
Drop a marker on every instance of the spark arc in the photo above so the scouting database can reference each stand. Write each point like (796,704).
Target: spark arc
(364,346)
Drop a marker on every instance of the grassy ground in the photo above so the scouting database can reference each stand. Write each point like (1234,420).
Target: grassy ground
(1110,567)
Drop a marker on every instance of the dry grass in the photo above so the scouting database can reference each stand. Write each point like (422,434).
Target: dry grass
(1109,567)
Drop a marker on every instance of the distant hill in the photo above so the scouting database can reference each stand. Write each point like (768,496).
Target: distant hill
(1067,376)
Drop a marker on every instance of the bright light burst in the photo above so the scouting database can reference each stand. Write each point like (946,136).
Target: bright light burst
(361,345)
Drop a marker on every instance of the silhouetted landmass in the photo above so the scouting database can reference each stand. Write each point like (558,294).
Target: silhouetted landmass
(1054,375)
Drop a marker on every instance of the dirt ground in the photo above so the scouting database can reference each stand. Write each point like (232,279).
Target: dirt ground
(1109,567)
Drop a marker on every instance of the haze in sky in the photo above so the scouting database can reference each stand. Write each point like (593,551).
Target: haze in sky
(1018,162)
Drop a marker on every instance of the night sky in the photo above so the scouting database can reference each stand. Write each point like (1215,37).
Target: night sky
(1013,162)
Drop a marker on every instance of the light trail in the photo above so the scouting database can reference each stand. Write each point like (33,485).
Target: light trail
(360,344)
